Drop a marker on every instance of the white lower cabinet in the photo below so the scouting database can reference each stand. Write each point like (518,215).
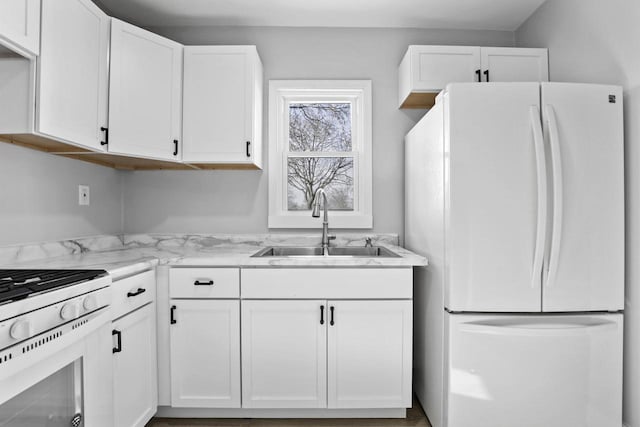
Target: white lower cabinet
(134,368)
(205,353)
(284,351)
(326,354)
(370,357)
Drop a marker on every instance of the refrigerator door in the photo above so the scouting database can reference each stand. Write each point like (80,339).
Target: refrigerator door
(495,199)
(533,371)
(584,130)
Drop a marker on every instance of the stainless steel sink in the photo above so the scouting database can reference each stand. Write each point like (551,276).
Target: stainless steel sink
(344,251)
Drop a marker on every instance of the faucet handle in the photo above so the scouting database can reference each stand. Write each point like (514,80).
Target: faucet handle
(331,237)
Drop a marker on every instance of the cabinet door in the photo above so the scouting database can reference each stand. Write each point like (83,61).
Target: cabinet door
(135,368)
(205,354)
(284,346)
(507,64)
(369,354)
(73,72)
(145,97)
(222,85)
(20,25)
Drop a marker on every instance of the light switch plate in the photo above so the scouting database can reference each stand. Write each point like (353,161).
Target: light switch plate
(84,195)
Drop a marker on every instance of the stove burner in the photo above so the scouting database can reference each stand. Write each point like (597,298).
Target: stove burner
(18,284)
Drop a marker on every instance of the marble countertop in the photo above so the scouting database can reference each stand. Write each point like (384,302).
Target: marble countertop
(130,254)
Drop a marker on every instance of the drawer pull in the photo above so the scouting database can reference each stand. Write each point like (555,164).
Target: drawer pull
(136,293)
(199,283)
(322,314)
(332,322)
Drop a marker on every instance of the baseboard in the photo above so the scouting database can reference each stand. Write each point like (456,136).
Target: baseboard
(168,412)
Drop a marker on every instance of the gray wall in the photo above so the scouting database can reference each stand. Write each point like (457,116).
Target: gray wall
(236,202)
(39,197)
(597,41)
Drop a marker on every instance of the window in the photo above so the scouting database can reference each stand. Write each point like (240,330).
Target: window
(320,137)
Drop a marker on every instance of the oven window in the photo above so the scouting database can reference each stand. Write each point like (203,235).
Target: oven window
(53,402)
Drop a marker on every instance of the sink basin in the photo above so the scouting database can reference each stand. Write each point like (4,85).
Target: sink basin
(345,251)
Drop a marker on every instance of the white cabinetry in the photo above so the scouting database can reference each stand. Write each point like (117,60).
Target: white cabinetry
(205,354)
(305,352)
(135,383)
(145,96)
(284,352)
(135,368)
(509,64)
(73,72)
(222,105)
(205,337)
(426,70)
(20,25)
(369,360)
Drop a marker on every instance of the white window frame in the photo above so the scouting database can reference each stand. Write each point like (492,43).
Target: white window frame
(281,94)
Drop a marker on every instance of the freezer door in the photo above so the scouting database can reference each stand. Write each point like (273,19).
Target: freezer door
(584,129)
(494,197)
(533,371)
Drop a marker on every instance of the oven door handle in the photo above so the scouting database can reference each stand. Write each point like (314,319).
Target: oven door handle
(118,334)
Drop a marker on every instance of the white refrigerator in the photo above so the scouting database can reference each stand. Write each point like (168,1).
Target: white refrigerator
(515,194)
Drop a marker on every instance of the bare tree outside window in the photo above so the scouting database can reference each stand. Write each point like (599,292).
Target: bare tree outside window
(323,129)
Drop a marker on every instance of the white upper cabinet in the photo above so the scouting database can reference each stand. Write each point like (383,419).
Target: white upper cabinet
(509,64)
(426,70)
(145,96)
(73,72)
(20,25)
(222,105)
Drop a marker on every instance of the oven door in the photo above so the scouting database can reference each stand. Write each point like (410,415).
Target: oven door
(60,378)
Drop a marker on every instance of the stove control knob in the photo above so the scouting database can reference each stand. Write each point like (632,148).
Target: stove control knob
(21,330)
(70,311)
(90,303)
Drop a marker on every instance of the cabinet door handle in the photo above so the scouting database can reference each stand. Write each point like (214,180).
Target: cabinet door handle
(322,314)
(136,293)
(173,315)
(106,136)
(248,148)
(118,347)
(479,74)
(331,322)
(199,283)
(175,147)
(486,74)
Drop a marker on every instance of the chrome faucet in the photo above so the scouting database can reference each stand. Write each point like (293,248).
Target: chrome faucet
(326,237)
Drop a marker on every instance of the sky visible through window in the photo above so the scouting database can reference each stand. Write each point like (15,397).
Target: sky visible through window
(323,129)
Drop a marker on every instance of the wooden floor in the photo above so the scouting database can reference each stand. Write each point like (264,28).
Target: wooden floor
(415,418)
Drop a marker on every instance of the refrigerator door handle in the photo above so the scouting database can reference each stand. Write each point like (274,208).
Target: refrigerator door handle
(541,171)
(556,162)
(542,329)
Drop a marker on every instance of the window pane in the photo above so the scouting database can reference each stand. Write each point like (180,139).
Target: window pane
(320,127)
(306,175)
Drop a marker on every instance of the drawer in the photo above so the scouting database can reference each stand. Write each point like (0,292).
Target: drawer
(132,292)
(327,283)
(204,283)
